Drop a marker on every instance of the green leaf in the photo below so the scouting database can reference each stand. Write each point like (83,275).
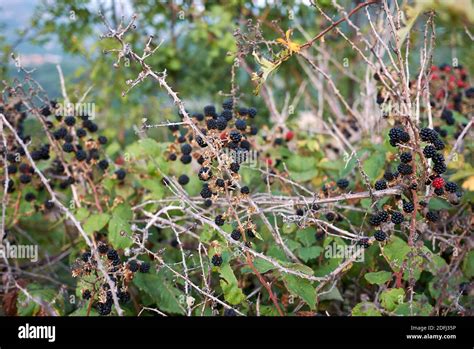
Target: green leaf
(373,166)
(300,163)
(151,147)
(468,264)
(301,288)
(391,298)
(96,222)
(366,309)
(378,278)
(166,296)
(262,265)
(307,253)
(82,213)
(229,284)
(395,252)
(119,227)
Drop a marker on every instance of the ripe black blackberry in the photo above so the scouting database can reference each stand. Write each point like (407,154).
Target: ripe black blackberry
(104,308)
(342,183)
(405,169)
(227,115)
(438,144)
(235,136)
(299,212)
(30,197)
(439,167)
(208,202)
(330,216)
(181,139)
(206,192)
(253,130)
(186,159)
(216,260)
(144,267)
(211,124)
(245,190)
(173,128)
(234,167)
(103,164)
(236,234)
(252,112)
(25,179)
(80,133)
(102,248)
(70,120)
(102,140)
(209,110)
(432,216)
(398,135)
(68,147)
(86,256)
(220,182)
(86,294)
(202,143)
(397,217)
(243,111)
(388,175)
(439,191)
(123,297)
(81,155)
(12,169)
(379,235)
(112,255)
(60,133)
(219,220)
(186,148)
(240,124)
(183,179)
(172,157)
(228,104)
(380,184)
(408,207)
(198,116)
(49,205)
(133,266)
(429,151)
(406,157)
(120,174)
(364,242)
(451,187)
(315,207)
(428,135)
(221,123)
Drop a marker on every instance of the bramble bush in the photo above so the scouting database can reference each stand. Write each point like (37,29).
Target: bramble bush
(359,205)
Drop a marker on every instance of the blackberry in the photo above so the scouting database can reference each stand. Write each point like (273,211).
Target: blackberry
(252,112)
(144,267)
(315,207)
(211,124)
(253,130)
(240,124)
(432,216)
(379,235)
(209,110)
(243,111)
(438,144)
(86,256)
(208,202)
(397,217)
(229,312)
(81,155)
(451,187)
(429,151)
(172,157)
(120,173)
(80,133)
(183,179)
(278,141)
(201,160)
(198,116)
(219,220)
(206,192)
(104,308)
(228,104)
(70,120)
(235,136)
(380,184)
(364,242)
(186,148)
(300,212)
(123,297)
(112,255)
(438,158)
(438,182)
(102,140)
(68,147)
(90,126)
(330,216)
(234,167)
(133,266)
(181,139)
(250,233)
(388,175)
(102,248)
(173,128)
(86,294)
(440,167)
(245,145)
(12,169)
(220,182)
(245,190)
(216,260)
(439,191)
(103,164)
(408,207)
(49,205)
(25,179)
(414,186)
(68,138)
(469,92)
(342,183)
(60,133)
(221,123)
(205,174)
(36,155)
(186,159)
(202,143)
(236,234)
(405,169)
(30,197)
(406,157)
